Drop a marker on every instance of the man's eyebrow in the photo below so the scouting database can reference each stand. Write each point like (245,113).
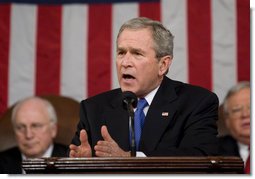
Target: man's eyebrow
(120,48)
(137,50)
(131,49)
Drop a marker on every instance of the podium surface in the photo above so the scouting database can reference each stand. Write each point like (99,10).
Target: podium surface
(134,165)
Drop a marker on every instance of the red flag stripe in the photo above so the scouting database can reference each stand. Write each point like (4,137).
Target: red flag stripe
(243,40)
(4,54)
(150,10)
(99,48)
(199,43)
(48,50)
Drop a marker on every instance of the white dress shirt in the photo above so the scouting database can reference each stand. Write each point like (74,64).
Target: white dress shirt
(243,151)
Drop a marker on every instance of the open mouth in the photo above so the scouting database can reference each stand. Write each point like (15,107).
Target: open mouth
(127,76)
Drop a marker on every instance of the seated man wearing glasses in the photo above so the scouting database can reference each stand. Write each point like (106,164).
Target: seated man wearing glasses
(35,126)
(236,107)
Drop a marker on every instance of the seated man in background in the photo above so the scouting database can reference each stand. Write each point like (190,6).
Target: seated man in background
(236,108)
(35,126)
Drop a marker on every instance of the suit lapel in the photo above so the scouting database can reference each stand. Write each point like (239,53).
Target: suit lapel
(117,122)
(161,112)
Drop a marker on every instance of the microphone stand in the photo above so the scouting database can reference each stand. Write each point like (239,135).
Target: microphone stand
(132,128)
(130,101)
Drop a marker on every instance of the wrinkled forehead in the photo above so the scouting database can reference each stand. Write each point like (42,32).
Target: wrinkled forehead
(136,38)
(135,30)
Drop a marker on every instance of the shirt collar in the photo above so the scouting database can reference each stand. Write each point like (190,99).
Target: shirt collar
(149,97)
(243,151)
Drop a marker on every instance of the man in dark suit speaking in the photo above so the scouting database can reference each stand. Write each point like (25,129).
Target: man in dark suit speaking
(180,119)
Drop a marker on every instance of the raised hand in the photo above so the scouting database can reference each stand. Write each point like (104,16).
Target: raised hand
(83,150)
(108,147)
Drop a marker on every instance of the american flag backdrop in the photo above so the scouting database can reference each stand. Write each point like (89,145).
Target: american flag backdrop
(68,47)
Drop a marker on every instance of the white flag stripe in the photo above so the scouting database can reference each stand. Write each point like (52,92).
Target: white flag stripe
(224,46)
(74,51)
(130,10)
(22,52)
(174,16)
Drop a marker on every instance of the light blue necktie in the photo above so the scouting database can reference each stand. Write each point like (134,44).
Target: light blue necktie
(139,120)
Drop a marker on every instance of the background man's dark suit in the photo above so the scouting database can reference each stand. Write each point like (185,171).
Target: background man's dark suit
(228,146)
(10,160)
(189,129)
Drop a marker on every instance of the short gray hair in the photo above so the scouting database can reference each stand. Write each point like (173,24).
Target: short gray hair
(236,88)
(48,106)
(163,38)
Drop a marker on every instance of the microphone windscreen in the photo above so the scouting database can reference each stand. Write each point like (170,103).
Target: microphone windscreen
(129,98)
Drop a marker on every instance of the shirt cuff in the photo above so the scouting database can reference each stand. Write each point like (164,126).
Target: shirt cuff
(140,154)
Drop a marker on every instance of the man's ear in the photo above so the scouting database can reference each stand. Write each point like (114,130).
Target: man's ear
(164,64)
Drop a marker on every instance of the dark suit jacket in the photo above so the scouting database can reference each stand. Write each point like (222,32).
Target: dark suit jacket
(10,160)
(189,129)
(228,146)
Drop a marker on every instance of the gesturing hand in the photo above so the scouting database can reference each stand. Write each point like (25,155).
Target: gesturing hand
(108,147)
(83,150)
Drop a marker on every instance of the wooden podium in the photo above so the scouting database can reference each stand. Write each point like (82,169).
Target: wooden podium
(135,165)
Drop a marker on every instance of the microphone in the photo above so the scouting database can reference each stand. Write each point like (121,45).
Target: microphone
(129,98)
(130,102)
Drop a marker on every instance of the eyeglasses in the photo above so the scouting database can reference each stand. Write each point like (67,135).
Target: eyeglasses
(35,127)
(238,110)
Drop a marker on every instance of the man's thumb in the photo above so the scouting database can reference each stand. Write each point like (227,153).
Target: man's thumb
(83,137)
(105,134)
